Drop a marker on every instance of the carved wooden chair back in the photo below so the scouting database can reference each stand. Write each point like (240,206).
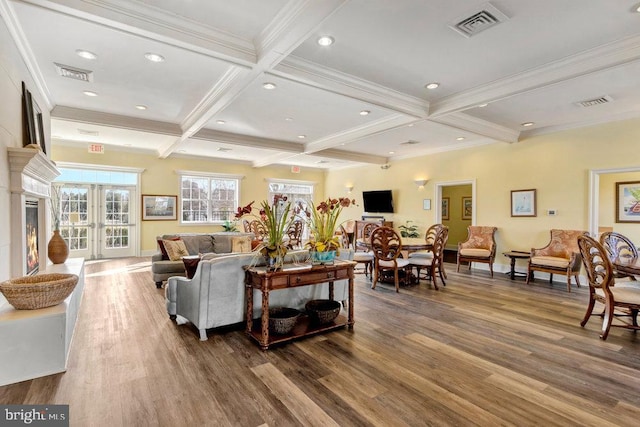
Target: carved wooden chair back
(621,300)
(617,244)
(245,226)
(294,232)
(386,245)
(258,229)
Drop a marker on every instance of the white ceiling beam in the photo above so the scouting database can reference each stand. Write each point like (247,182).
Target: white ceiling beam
(248,141)
(478,126)
(352,156)
(591,61)
(115,120)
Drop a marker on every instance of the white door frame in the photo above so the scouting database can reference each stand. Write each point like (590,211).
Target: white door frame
(594,194)
(438,193)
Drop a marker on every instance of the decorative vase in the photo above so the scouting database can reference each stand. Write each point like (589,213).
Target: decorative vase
(57,249)
(273,263)
(324,257)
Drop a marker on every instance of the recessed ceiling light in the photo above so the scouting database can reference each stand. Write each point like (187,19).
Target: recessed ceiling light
(365,112)
(410,126)
(482,105)
(433,85)
(288,119)
(460,138)
(326,40)
(302,136)
(182,151)
(392,152)
(89,93)
(527,124)
(269,86)
(86,54)
(154,57)
(220,122)
(638,9)
(141,107)
(127,145)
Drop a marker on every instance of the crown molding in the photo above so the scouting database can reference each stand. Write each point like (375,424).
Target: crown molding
(115,120)
(478,126)
(309,73)
(8,14)
(590,61)
(146,20)
(275,158)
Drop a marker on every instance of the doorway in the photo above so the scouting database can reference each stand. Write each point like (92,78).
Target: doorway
(457,210)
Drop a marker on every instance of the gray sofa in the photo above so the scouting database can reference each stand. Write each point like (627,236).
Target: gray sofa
(196,243)
(215,296)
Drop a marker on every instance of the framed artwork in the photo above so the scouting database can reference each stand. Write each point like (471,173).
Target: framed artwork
(445,208)
(467,207)
(523,203)
(426,204)
(33,127)
(159,208)
(628,201)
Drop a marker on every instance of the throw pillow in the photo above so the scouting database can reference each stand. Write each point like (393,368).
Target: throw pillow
(241,244)
(165,256)
(175,249)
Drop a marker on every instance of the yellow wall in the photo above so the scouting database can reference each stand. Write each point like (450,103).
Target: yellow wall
(159,177)
(556,165)
(457,225)
(607,206)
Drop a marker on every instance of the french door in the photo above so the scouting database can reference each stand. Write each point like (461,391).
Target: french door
(97,221)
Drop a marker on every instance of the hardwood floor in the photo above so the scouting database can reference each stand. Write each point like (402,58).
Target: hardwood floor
(480,351)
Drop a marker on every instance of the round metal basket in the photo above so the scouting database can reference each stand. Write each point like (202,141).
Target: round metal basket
(322,311)
(282,319)
(39,291)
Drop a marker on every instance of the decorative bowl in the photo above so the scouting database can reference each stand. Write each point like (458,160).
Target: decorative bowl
(282,319)
(38,291)
(322,311)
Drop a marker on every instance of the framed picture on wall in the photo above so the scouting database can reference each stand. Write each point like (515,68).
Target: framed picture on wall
(628,201)
(426,204)
(467,207)
(445,208)
(523,202)
(159,208)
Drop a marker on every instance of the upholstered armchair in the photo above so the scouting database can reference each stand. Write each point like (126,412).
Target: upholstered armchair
(480,246)
(560,256)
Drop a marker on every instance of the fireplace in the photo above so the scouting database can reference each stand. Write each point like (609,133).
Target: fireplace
(31,234)
(31,174)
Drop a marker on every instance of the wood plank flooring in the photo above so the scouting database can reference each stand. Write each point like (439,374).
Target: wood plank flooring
(480,351)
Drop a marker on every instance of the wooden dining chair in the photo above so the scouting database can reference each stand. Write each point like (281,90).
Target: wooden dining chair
(620,300)
(294,233)
(386,246)
(434,264)
(618,245)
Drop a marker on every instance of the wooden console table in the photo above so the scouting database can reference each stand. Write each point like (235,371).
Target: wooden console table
(293,276)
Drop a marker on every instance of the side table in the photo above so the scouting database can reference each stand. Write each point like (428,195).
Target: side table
(514,255)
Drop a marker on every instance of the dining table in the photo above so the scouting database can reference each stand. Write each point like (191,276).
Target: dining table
(629,265)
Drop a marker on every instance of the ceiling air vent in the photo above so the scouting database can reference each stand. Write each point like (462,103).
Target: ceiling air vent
(223,149)
(88,132)
(478,20)
(596,101)
(74,73)
(410,142)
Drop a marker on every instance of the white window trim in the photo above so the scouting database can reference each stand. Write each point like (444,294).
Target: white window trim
(200,174)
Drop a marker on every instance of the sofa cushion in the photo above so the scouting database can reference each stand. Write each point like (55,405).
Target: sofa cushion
(176,249)
(199,243)
(475,252)
(168,267)
(550,261)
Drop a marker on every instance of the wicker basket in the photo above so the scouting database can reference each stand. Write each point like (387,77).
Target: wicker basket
(39,291)
(282,319)
(322,311)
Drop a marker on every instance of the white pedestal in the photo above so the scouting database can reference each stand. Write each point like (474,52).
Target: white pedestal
(35,343)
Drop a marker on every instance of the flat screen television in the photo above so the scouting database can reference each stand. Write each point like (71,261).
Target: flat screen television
(380,201)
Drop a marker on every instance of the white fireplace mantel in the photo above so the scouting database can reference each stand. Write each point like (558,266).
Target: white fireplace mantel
(31,172)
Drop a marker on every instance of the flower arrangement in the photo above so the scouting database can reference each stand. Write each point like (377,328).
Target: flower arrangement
(323,220)
(275,219)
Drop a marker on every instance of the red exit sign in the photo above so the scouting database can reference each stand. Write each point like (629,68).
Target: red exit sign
(96,148)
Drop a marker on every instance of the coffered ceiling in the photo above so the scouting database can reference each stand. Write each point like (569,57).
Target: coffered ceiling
(529,61)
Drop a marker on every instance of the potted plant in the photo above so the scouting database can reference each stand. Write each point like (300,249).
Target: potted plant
(408,230)
(323,244)
(275,219)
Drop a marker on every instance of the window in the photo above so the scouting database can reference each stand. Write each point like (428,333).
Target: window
(208,198)
(296,191)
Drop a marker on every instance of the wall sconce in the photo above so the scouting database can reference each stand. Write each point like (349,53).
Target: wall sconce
(420,182)
(349,188)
